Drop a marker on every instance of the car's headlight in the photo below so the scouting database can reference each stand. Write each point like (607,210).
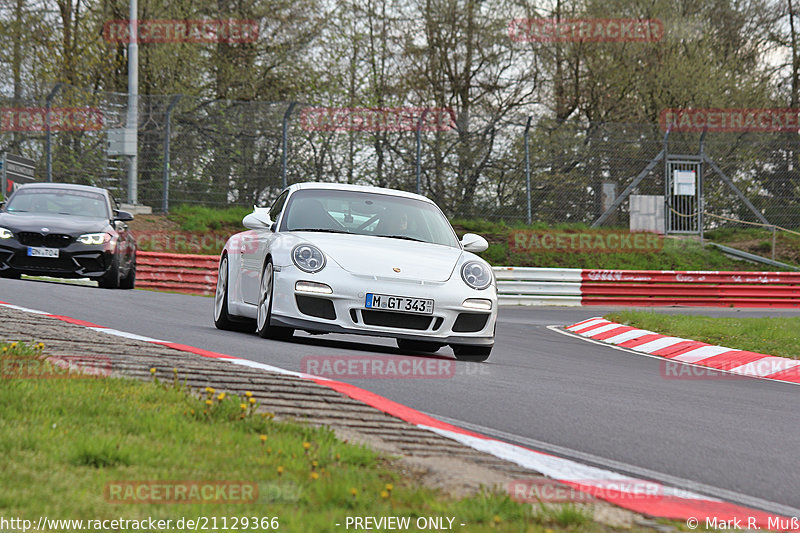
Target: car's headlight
(308,258)
(94,238)
(5,233)
(476,275)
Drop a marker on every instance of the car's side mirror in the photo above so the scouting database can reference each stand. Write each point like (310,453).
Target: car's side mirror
(474,243)
(122,216)
(258,219)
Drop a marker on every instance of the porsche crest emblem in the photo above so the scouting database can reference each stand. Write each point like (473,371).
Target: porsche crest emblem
(396,269)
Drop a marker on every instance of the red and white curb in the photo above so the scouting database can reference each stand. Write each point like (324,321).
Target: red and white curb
(717,358)
(666,502)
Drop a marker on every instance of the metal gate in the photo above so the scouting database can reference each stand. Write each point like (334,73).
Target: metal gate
(683,191)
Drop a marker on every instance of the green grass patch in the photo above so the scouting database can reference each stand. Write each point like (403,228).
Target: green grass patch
(676,254)
(69,445)
(768,335)
(197,218)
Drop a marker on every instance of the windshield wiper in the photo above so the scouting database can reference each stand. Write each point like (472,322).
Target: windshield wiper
(321,230)
(405,237)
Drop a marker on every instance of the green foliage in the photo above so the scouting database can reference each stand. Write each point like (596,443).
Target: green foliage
(201,219)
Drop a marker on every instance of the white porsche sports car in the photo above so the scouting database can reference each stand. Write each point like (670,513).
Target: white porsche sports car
(333,258)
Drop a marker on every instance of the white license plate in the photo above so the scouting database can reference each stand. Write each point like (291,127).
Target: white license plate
(404,304)
(34,251)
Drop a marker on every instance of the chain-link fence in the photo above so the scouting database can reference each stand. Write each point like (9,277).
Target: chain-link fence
(221,153)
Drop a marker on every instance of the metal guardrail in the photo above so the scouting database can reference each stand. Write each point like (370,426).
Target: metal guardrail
(538,286)
(197,274)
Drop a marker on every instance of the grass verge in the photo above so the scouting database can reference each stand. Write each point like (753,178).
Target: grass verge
(74,447)
(768,335)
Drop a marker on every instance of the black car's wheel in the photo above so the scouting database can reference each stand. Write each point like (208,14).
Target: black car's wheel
(223,319)
(418,346)
(10,274)
(471,353)
(263,328)
(111,278)
(129,281)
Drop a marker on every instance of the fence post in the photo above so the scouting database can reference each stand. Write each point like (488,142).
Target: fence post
(48,144)
(419,149)
(284,142)
(773,243)
(667,192)
(528,167)
(167,131)
(701,188)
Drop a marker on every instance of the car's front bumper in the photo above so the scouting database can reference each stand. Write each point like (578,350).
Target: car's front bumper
(344,310)
(75,260)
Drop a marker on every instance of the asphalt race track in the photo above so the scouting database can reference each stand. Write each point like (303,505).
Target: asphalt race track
(736,439)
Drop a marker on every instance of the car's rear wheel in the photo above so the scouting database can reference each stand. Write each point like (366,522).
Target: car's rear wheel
(418,346)
(471,353)
(223,319)
(111,278)
(266,290)
(129,281)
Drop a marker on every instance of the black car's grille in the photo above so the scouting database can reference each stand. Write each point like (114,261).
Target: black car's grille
(395,320)
(49,240)
(42,264)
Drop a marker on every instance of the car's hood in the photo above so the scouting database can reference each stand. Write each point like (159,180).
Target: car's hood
(378,256)
(70,225)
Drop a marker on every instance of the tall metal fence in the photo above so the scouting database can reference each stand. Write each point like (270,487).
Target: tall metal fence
(219,153)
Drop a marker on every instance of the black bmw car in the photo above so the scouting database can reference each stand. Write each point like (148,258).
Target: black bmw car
(67,231)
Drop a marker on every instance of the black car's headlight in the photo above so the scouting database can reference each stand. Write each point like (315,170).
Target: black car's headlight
(476,275)
(6,233)
(308,258)
(94,238)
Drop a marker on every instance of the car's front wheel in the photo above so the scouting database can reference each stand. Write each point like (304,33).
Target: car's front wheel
(111,278)
(471,353)
(129,281)
(222,319)
(266,290)
(407,345)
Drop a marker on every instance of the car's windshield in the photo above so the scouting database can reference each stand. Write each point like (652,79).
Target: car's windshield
(58,202)
(367,213)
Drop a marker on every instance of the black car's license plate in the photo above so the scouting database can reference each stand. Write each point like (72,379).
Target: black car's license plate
(404,304)
(35,251)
